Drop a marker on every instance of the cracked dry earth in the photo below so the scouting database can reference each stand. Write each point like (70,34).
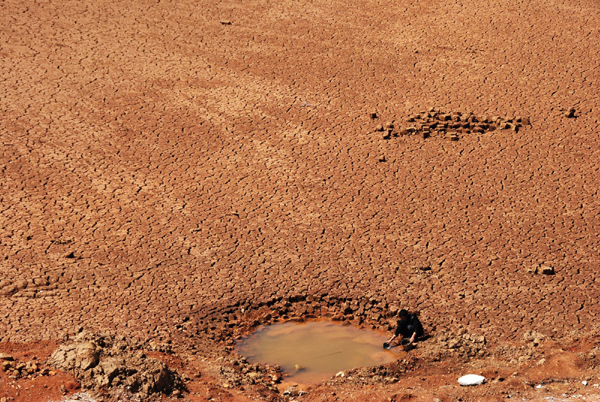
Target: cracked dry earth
(180,172)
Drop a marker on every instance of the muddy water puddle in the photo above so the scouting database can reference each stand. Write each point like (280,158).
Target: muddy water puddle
(312,351)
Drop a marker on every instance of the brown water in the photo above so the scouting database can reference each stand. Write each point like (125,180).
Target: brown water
(312,351)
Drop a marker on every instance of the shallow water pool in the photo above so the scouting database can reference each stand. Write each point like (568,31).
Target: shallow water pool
(310,352)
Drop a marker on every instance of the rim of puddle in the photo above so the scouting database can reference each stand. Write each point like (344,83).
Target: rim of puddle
(311,351)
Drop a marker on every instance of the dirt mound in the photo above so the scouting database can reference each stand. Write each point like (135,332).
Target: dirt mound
(112,365)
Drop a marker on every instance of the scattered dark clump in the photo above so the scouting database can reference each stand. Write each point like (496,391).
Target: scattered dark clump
(385,374)
(541,269)
(17,369)
(452,125)
(236,372)
(113,365)
(570,113)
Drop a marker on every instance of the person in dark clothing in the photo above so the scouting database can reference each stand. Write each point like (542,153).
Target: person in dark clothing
(409,327)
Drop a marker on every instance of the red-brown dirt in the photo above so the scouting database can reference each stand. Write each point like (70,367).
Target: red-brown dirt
(173,171)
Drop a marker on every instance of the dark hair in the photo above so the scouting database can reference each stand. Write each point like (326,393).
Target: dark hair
(403,313)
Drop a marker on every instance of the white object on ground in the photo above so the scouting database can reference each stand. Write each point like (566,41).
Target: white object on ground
(79,397)
(471,379)
(584,382)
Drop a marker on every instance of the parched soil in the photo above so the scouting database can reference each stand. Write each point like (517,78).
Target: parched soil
(179,172)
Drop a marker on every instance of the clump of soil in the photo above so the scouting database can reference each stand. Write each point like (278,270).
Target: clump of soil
(452,125)
(383,374)
(112,365)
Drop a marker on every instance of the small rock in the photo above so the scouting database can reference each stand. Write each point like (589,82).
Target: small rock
(340,374)
(226,22)
(471,379)
(547,270)
(570,113)
(373,115)
(379,128)
(585,383)
(382,159)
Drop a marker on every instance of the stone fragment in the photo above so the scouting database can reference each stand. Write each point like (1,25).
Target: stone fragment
(570,113)
(471,379)
(226,22)
(6,356)
(373,115)
(379,128)
(111,366)
(547,270)
(99,362)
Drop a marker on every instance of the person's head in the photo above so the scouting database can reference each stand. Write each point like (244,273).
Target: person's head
(403,315)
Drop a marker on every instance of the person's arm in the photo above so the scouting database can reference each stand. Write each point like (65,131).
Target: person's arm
(413,337)
(396,333)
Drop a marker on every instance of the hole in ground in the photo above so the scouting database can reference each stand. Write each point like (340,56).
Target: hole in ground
(313,351)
